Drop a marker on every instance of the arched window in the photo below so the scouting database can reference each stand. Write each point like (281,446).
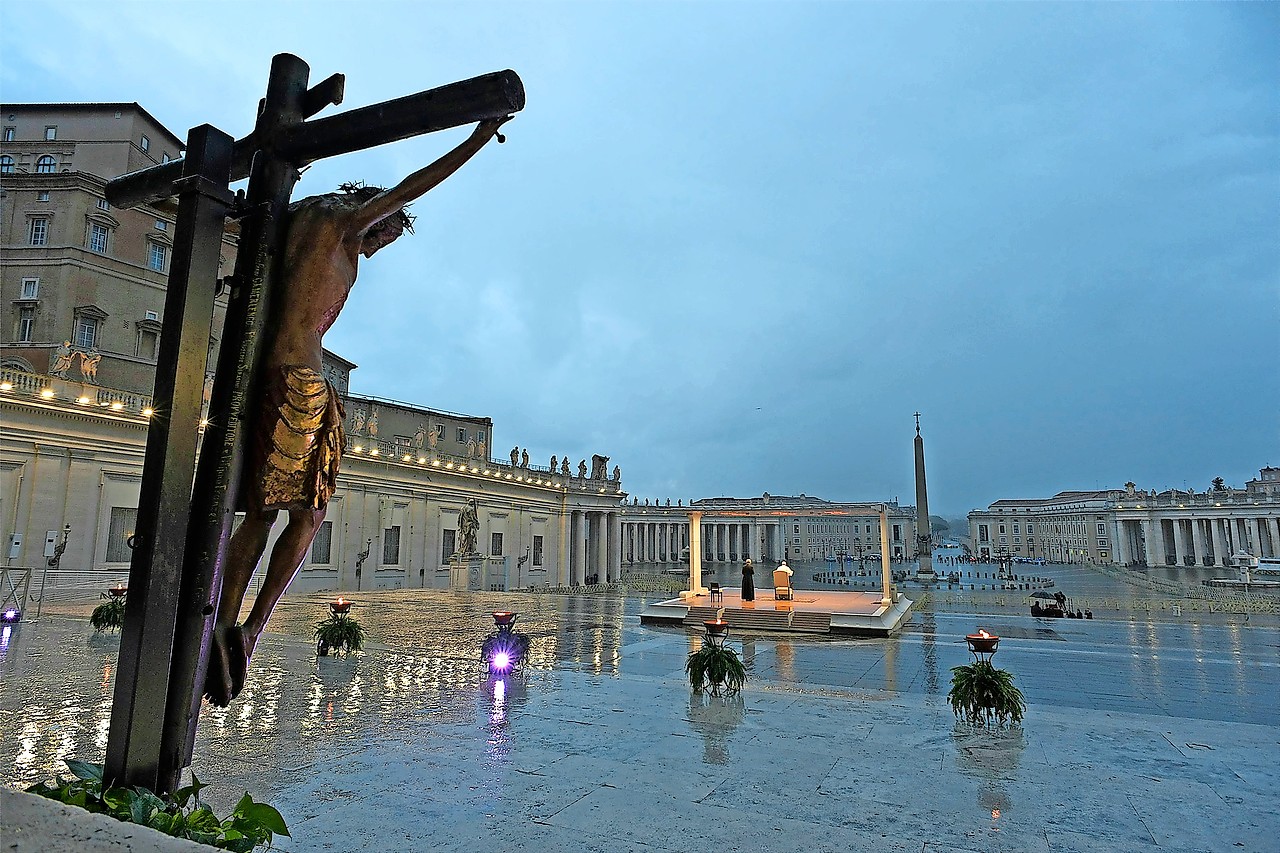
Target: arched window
(44,165)
(6,165)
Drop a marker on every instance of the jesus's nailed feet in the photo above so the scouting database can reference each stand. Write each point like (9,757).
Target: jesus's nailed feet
(228,665)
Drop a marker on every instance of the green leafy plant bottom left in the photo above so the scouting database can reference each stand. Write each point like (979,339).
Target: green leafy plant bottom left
(182,814)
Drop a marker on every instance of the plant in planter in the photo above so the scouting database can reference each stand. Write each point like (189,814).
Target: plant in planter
(339,633)
(182,815)
(715,666)
(985,696)
(108,616)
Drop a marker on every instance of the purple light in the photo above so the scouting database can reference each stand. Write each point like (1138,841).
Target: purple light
(501,661)
(11,615)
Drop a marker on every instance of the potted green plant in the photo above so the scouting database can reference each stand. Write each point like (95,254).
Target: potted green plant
(985,696)
(109,616)
(715,666)
(339,633)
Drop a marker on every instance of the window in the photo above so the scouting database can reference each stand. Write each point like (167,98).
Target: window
(495,545)
(144,143)
(1015,527)
(6,165)
(1031,528)
(1102,530)
(462,435)
(156,256)
(164,158)
(448,544)
(897,533)
(43,195)
(146,348)
(31,288)
(50,133)
(26,323)
(161,225)
(123,521)
(1002,528)
(322,545)
(45,165)
(391,546)
(797,528)
(1102,543)
(150,315)
(479,436)
(537,551)
(97,238)
(86,336)
(8,134)
(38,231)
(102,204)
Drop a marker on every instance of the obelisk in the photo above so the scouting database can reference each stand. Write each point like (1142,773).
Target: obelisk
(924,532)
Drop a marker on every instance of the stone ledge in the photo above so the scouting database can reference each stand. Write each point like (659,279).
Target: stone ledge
(32,824)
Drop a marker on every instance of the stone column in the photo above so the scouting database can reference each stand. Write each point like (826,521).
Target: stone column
(598,559)
(614,570)
(1251,524)
(1179,543)
(578,541)
(1273,532)
(1150,530)
(1220,554)
(695,553)
(1198,542)
(1122,543)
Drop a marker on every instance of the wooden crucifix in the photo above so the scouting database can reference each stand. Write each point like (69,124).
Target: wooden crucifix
(271,417)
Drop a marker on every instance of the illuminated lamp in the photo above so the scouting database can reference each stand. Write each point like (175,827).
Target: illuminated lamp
(6,386)
(47,393)
(982,644)
(11,614)
(82,399)
(117,406)
(148,412)
(504,649)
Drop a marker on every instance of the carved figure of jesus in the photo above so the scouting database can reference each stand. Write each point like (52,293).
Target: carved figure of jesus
(292,461)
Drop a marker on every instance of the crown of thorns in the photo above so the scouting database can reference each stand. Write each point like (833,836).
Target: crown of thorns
(364,192)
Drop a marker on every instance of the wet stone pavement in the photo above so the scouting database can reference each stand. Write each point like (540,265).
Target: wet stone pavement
(1143,736)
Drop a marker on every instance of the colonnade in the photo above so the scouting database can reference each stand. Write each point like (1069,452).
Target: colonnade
(1195,541)
(596,552)
(665,540)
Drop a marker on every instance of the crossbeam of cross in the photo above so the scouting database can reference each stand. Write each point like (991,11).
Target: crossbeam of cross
(175,575)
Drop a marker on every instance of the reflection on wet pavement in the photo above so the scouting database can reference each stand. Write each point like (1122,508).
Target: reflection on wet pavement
(598,743)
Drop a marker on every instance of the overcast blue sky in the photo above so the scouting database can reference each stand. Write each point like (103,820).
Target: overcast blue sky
(734,246)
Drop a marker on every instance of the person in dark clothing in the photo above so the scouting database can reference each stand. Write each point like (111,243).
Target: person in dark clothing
(748,581)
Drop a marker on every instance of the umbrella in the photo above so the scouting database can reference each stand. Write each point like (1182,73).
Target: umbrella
(1040,593)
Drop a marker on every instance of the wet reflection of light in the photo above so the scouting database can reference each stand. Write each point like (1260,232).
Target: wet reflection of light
(995,814)
(27,745)
(5,633)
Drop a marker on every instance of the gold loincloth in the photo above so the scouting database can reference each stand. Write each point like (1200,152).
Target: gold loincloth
(300,440)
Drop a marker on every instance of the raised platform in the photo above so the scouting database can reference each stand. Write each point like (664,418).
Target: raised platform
(810,612)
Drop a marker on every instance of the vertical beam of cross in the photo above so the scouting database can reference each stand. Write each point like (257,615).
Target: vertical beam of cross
(271,181)
(146,640)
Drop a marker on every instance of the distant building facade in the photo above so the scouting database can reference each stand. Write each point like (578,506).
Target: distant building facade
(768,528)
(1134,527)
